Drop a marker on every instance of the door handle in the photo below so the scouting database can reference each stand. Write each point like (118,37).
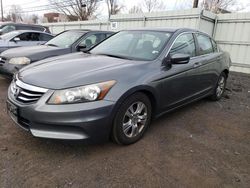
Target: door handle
(197,64)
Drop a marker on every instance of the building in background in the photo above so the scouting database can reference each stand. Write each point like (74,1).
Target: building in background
(57,17)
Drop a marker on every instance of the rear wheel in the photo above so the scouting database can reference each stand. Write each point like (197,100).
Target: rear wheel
(220,87)
(132,119)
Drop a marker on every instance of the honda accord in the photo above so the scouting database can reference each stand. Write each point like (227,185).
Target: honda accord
(118,87)
(64,43)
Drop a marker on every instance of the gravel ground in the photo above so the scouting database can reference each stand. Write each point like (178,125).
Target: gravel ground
(205,144)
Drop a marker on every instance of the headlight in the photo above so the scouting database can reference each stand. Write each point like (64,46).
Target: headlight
(19,61)
(86,93)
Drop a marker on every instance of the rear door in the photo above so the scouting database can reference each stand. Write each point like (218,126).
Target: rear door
(209,58)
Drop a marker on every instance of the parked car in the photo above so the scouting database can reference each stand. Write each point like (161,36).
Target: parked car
(64,43)
(117,88)
(6,27)
(23,38)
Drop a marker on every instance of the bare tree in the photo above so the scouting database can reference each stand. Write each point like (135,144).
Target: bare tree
(135,9)
(113,7)
(83,9)
(15,13)
(151,5)
(218,6)
(183,4)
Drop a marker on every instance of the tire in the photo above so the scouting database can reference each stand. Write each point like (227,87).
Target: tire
(219,88)
(132,119)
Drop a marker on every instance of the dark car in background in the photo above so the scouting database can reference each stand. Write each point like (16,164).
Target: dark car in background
(20,38)
(66,42)
(116,88)
(9,26)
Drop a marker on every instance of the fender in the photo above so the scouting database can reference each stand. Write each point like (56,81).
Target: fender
(142,88)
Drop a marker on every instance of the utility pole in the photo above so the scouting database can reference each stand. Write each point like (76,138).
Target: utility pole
(2,9)
(83,8)
(195,3)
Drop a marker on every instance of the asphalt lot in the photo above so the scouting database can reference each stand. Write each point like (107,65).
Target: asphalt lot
(206,144)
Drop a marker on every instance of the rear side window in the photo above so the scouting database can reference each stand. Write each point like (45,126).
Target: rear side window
(34,36)
(45,37)
(205,45)
(184,44)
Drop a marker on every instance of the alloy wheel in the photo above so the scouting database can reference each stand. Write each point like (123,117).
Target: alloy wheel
(221,86)
(135,119)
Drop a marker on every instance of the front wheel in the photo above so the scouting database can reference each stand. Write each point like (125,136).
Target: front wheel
(220,87)
(132,119)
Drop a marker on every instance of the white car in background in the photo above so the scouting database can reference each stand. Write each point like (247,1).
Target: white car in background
(23,38)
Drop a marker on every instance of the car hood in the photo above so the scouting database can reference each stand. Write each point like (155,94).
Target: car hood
(35,53)
(73,70)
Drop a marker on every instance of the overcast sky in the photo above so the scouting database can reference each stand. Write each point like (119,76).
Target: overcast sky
(28,5)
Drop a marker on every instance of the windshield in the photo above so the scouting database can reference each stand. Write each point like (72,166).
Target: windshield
(9,35)
(136,45)
(65,39)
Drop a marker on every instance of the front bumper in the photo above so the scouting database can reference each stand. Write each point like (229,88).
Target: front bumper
(91,120)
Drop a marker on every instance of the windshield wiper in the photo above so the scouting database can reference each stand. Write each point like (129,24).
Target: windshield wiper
(116,56)
(52,45)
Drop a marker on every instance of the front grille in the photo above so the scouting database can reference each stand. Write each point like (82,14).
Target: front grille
(26,93)
(26,96)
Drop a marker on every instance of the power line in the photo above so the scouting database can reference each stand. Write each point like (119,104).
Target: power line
(21,12)
(48,5)
(30,2)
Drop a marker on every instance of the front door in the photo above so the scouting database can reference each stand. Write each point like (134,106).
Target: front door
(180,83)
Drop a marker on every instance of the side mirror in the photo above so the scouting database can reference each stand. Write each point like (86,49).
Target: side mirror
(16,39)
(179,59)
(81,48)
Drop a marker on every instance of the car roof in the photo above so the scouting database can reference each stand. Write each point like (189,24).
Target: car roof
(21,24)
(33,31)
(168,29)
(88,30)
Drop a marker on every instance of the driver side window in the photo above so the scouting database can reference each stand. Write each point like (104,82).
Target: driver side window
(24,37)
(184,44)
(92,40)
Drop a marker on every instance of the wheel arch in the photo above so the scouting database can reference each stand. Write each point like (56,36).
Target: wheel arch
(226,71)
(147,90)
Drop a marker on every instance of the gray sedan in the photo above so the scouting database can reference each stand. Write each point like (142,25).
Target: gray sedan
(119,86)
(66,42)
(23,38)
